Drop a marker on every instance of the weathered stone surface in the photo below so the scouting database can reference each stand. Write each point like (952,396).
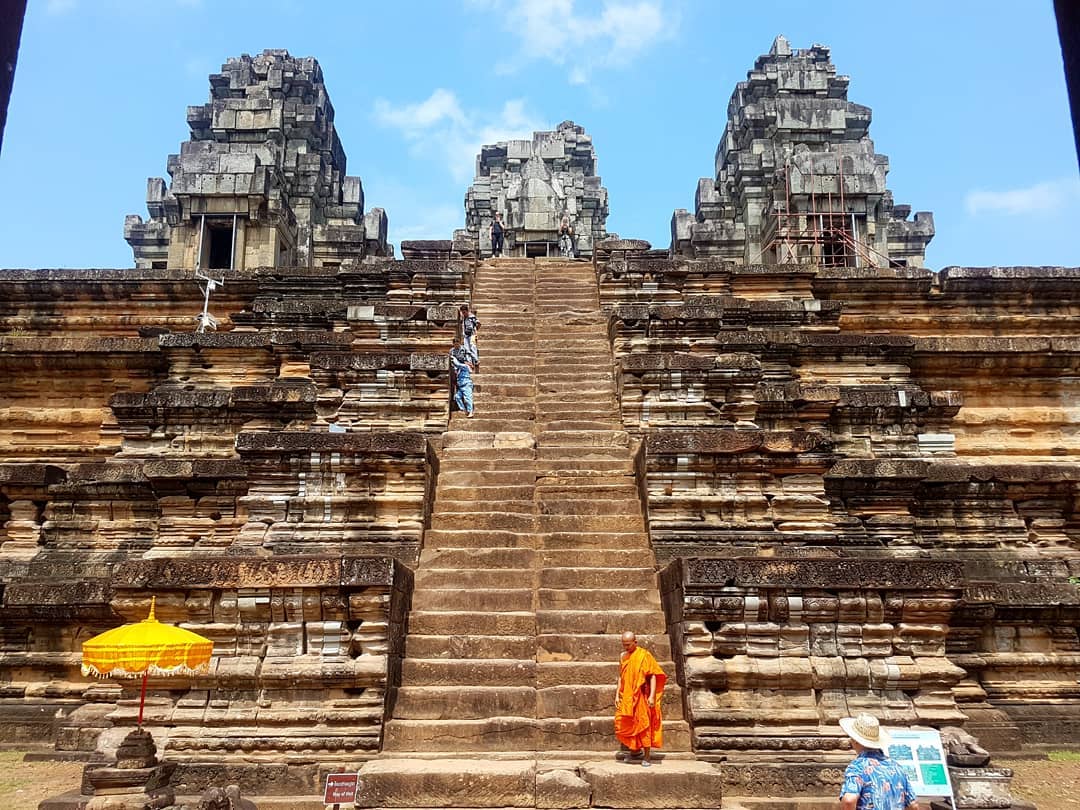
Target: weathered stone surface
(562,789)
(447,783)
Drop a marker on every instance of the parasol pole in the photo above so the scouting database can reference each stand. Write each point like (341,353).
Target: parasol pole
(142,695)
(146,672)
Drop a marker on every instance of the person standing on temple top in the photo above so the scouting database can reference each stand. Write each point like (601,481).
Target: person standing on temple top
(872,780)
(497,235)
(637,700)
(566,239)
(462,368)
(469,327)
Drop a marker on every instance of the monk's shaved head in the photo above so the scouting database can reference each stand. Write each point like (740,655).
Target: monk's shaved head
(629,636)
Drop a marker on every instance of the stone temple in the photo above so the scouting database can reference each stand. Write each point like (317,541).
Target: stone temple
(815,476)
(534,185)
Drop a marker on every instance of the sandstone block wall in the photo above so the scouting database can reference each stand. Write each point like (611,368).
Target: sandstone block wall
(862,414)
(261,481)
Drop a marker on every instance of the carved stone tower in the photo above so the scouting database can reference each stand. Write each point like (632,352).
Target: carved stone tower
(797,178)
(261,182)
(534,184)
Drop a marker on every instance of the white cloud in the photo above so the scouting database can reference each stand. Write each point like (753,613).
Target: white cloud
(438,127)
(1040,198)
(580,40)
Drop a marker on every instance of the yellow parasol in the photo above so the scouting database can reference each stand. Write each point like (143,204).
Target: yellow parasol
(146,648)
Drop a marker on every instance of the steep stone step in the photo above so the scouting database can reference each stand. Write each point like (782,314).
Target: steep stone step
(498,623)
(465,702)
(578,424)
(587,599)
(517,733)
(596,577)
(480,558)
(573,647)
(492,733)
(459,538)
(470,646)
(484,520)
(477,455)
(508,507)
(489,600)
(507,494)
(584,523)
(459,783)
(624,506)
(614,439)
(455,672)
(584,700)
(490,420)
(584,466)
(595,557)
(614,622)
(465,475)
(612,540)
(498,464)
(586,492)
(473,578)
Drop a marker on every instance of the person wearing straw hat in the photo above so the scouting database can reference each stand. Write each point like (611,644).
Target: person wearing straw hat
(873,781)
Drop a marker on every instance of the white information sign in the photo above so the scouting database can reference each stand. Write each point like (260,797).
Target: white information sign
(918,751)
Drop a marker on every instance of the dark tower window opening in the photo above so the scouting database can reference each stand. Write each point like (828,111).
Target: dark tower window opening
(220,238)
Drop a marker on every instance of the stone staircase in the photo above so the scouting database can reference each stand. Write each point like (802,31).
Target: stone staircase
(536,560)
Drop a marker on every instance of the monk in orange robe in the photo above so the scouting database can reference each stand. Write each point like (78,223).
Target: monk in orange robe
(637,700)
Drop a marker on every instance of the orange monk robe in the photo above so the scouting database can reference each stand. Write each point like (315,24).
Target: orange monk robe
(637,725)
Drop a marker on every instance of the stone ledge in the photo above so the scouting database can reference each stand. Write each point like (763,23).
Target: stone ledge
(88,345)
(730,442)
(997,345)
(952,470)
(86,592)
(680,361)
(251,572)
(276,394)
(854,574)
(285,442)
(370,361)
(31,474)
(1010,595)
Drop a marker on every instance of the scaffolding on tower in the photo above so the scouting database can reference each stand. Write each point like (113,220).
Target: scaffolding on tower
(823,234)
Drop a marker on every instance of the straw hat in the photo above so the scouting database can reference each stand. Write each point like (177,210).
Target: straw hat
(866,731)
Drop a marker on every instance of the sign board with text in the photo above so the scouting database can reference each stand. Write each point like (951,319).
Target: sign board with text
(341,788)
(918,751)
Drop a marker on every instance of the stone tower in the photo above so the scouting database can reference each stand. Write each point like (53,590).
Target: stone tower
(797,178)
(534,184)
(261,182)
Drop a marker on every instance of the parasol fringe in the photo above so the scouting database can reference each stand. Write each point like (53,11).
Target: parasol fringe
(119,672)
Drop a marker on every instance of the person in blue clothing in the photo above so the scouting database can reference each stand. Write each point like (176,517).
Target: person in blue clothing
(873,781)
(469,327)
(462,368)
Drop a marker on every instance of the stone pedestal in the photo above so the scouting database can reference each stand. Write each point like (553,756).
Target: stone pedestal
(138,781)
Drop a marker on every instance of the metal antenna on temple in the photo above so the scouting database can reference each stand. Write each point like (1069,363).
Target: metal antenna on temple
(205,319)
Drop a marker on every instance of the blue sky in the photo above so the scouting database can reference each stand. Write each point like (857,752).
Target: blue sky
(968,97)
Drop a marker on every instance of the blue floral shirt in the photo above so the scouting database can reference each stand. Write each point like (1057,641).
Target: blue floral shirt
(879,782)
